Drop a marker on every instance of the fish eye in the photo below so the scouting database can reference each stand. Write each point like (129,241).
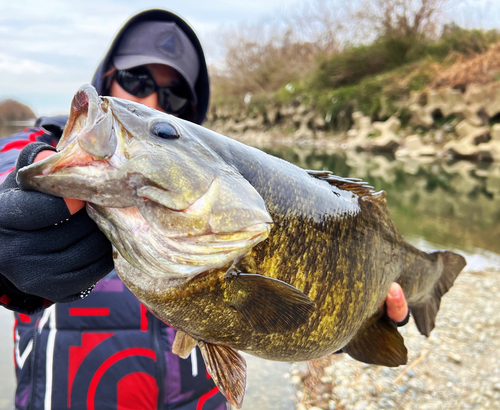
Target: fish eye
(165,131)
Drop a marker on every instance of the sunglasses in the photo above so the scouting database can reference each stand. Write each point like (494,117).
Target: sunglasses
(139,82)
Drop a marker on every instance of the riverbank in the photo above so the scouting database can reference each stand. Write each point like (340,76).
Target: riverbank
(436,123)
(457,367)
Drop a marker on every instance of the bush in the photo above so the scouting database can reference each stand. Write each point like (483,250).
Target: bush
(455,38)
(388,53)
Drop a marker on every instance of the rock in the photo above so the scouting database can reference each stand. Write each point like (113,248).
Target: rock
(467,145)
(465,129)
(420,117)
(304,132)
(449,102)
(455,358)
(358,135)
(388,141)
(329,371)
(492,108)
(413,147)
(318,122)
(273,115)
(491,150)
(379,136)
(417,384)
(361,405)
(356,117)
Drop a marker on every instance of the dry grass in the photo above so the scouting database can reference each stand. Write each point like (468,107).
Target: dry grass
(316,391)
(478,69)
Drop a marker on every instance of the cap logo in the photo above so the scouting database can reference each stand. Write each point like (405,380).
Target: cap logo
(169,44)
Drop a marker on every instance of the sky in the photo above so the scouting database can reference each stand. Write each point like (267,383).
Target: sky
(49,48)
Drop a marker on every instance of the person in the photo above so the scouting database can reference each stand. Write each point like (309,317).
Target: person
(82,340)
(102,349)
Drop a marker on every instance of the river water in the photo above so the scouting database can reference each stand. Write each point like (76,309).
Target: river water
(435,204)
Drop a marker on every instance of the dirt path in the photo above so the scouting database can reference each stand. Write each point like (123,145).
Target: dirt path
(457,367)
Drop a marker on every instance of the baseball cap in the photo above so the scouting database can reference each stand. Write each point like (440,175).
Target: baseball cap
(158,42)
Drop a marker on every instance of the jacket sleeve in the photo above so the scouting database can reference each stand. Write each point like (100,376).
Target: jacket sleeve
(10,147)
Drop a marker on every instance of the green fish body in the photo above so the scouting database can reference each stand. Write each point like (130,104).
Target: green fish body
(237,249)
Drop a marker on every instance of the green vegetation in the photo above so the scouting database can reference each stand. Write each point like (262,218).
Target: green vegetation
(386,71)
(376,78)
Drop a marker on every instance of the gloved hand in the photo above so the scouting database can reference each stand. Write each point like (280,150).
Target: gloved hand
(44,250)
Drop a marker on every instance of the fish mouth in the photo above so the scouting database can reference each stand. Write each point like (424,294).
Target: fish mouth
(179,256)
(87,150)
(88,139)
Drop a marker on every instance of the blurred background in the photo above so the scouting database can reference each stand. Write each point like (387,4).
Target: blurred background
(402,93)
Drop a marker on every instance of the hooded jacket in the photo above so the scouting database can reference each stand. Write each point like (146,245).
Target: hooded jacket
(202,86)
(105,351)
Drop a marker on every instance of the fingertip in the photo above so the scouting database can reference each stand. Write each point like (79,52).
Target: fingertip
(43,154)
(74,205)
(397,308)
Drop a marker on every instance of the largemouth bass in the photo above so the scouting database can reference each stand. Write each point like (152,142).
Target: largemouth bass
(237,249)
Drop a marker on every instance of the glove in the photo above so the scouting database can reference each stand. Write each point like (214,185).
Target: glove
(45,251)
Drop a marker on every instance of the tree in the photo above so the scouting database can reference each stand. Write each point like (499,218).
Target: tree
(404,18)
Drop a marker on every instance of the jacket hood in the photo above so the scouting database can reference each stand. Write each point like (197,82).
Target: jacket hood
(202,86)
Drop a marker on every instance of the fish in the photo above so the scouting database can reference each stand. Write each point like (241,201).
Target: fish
(238,250)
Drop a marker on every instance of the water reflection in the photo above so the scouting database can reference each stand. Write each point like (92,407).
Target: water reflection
(6,130)
(439,204)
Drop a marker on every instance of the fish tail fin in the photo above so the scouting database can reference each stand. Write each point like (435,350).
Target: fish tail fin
(425,313)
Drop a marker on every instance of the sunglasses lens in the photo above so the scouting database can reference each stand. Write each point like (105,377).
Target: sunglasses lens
(135,82)
(172,102)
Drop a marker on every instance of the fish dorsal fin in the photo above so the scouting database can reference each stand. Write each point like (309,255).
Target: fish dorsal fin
(355,185)
(183,344)
(228,370)
(380,343)
(268,305)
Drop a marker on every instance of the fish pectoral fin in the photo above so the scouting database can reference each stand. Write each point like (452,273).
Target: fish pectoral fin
(228,370)
(380,344)
(268,305)
(183,344)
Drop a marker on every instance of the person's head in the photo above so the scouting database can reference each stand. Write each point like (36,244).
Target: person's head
(157,60)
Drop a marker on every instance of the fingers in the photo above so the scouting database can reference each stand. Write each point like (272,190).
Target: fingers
(395,302)
(42,155)
(74,205)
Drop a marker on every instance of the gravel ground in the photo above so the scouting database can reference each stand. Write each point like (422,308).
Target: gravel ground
(457,367)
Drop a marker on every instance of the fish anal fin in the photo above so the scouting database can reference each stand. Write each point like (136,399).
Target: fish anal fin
(425,313)
(183,344)
(268,305)
(380,344)
(228,370)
